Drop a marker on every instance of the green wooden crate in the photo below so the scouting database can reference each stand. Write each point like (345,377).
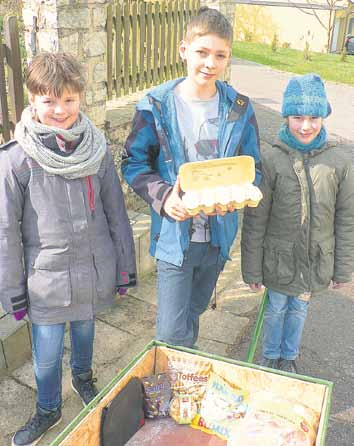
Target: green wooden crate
(316,393)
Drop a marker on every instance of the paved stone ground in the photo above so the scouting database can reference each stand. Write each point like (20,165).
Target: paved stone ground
(122,333)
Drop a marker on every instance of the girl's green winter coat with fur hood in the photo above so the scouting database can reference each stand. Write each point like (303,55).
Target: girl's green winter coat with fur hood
(301,236)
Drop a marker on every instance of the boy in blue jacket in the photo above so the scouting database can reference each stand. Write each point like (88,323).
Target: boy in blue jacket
(184,120)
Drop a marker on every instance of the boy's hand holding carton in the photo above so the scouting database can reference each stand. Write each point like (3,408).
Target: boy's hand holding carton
(174,206)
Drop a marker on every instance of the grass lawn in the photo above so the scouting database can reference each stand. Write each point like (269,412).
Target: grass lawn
(328,66)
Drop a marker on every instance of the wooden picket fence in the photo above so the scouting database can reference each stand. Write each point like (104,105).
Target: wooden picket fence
(142,43)
(11,82)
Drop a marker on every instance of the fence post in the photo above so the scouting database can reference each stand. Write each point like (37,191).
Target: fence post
(118,47)
(14,69)
(78,28)
(142,45)
(134,47)
(126,45)
(109,30)
(4,117)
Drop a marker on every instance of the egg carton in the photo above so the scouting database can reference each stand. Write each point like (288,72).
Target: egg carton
(222,184)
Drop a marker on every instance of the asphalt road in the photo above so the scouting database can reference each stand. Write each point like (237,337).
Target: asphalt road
(265,86)
(327,347)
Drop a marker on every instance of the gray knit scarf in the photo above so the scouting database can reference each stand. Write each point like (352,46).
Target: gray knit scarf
(85,160)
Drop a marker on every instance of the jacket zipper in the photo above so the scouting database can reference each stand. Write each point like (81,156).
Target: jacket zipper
(227,114)
(308,178)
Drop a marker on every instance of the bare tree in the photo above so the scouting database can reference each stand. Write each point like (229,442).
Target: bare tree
(254,23)
(311,9)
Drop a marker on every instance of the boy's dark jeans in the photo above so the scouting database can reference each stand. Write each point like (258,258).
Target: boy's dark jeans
(184,293)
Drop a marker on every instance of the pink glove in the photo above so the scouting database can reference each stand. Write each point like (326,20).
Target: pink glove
(122,291)
(18,315)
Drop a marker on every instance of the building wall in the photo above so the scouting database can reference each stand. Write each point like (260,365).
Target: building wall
(295,27)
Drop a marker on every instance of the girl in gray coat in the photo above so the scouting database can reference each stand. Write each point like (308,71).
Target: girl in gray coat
(66,245)
(300,239)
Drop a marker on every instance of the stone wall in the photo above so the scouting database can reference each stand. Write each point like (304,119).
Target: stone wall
(77,27)
(226,7)
(118,121)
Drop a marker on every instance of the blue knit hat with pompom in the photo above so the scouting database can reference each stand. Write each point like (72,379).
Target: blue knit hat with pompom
(306,96)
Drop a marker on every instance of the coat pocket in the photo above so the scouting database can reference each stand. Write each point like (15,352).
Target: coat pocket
(279,262)
(325,262)
(106,273)
(48,281)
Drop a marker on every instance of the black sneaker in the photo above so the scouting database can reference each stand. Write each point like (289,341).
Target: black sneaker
(287,365)
(36,427)
(270,363)
(83,385)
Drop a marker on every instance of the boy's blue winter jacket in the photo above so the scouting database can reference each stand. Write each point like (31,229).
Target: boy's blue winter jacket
(153,157)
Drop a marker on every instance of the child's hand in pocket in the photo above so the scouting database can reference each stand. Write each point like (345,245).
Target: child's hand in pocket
(337,285)
(19,315)
(255,287)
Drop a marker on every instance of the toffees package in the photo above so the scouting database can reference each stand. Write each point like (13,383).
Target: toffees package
(188,376)
(157,395)
(223,405)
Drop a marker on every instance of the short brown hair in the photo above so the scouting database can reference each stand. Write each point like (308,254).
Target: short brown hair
(53,73)
(209,21)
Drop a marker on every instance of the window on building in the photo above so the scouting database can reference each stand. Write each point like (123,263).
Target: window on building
(351,26)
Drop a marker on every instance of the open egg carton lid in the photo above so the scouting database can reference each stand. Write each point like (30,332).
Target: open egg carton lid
(200,175)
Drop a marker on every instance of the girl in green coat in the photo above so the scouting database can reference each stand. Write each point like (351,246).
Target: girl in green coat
(300,239)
